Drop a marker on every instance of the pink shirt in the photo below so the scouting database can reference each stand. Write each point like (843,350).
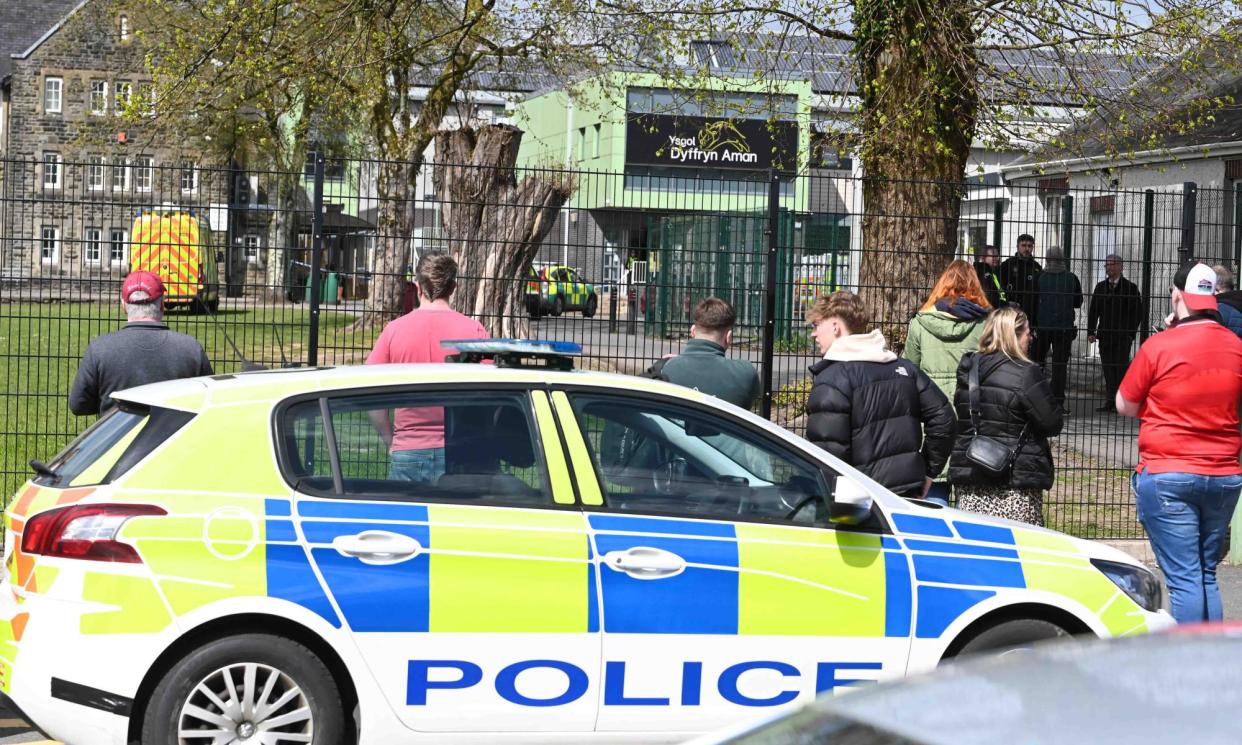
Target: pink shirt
(416,337)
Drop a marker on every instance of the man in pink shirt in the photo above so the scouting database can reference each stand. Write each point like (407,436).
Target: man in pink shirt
(415,436)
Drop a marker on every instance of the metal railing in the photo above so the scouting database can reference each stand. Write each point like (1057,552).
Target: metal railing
(295,262)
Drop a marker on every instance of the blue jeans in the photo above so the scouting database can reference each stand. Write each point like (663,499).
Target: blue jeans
(416,465)
(1186,516)
(939,493)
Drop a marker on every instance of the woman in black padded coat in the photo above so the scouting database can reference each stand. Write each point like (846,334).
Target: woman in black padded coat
(1016,406)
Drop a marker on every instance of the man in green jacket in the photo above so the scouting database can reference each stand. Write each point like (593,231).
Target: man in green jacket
(702,364)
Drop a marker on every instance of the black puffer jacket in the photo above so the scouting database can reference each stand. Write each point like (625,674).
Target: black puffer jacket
(873,415)
(1012,394)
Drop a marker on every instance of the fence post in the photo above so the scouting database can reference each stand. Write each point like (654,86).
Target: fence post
(1190,198)
(1067,226)
(312,345)
(769,291)
(1149,232)
(998,224)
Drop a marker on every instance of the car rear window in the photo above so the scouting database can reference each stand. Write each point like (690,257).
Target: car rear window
(112,445)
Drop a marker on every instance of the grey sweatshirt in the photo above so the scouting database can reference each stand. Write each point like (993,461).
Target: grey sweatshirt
(137,354)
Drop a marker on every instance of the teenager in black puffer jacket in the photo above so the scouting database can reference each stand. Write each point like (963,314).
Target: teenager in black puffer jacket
(880,414)
(1014,396)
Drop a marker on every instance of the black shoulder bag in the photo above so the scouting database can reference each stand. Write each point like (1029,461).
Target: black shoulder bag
(986,452)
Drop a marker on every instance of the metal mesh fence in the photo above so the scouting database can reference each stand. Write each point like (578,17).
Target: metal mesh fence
(619,271)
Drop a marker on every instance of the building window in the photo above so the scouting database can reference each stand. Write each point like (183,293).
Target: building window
(120,174)
(49,244)
(189,177)
(142,173)
(52,90)
(122,27)
(51,170)
(251,243)
(581,143)
(1052,216)
(595,132)
(93,250)
(95,173)
(99,96)
(122,91)
(116,246)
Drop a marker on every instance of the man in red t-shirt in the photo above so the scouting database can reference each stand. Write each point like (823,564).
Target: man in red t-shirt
(415,436)
(1185,385)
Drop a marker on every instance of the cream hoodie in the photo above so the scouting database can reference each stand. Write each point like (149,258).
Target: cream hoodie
(861,348)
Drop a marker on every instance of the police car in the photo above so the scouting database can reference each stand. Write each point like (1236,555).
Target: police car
(556,289)
(589,558)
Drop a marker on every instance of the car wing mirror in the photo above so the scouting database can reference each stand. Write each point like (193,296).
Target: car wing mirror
(849,502)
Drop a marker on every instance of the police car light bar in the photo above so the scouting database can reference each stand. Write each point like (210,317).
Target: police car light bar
(557,355)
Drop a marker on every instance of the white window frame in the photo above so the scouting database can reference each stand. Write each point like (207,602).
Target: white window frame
(120,162)
(53,171)
(96,168)
(122,92)
(122,26)
(144,173)
(99,93)
(49,237)
(53,103)
(251,246)
(117,237)
(92,243)
(190,169)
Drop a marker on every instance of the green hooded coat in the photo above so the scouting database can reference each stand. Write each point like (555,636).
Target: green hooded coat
(936,342)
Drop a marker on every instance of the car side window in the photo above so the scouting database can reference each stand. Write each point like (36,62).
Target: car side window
(661,458)
(450,446)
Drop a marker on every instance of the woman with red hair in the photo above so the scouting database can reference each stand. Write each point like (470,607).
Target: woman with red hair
(945,328)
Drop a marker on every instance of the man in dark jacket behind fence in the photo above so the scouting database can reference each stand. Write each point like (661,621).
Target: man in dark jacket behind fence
(878,413)
(1020,277)
(1115,314)
(1060,295)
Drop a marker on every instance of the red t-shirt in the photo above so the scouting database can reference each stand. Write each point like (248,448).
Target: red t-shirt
(416,337)
(1187,381)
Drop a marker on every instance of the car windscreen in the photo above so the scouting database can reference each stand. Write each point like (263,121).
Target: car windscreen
(112,445)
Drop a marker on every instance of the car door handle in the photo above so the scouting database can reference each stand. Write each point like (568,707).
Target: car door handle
(642,562)
(377,547)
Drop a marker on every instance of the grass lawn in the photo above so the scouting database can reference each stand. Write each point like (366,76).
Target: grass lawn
(42,343)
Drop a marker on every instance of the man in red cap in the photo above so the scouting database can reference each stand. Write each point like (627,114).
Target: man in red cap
(144,351)
(1185,385)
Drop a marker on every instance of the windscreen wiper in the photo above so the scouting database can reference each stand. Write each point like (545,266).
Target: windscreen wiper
(43,469)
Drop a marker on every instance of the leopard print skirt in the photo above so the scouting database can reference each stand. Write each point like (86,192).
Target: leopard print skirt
(1024,505)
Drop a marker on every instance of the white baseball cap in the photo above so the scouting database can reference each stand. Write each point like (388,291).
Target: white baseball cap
(1198,285)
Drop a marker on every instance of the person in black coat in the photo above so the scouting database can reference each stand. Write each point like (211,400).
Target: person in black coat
(878,413)
(1113,319)
(1016,407)
(986,267)
(1019,274)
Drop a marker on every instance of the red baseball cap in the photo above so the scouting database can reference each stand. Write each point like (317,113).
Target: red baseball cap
(144,282)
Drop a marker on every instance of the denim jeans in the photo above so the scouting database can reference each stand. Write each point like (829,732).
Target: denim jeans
(1186,516)
(416,465)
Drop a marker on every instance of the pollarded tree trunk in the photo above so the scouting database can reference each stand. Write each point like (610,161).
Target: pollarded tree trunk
(395,187)
(920,101)
(494,224)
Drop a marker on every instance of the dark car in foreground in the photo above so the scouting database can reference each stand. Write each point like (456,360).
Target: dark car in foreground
(1183,687)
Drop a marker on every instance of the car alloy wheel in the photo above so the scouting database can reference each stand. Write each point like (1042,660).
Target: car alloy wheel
(246,703)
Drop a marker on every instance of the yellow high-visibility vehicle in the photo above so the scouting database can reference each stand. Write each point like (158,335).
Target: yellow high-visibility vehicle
(174,244)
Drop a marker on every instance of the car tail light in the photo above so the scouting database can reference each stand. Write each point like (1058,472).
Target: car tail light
(86,532)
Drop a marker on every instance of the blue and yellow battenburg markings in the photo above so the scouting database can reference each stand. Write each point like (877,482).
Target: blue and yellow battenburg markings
(539,571)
